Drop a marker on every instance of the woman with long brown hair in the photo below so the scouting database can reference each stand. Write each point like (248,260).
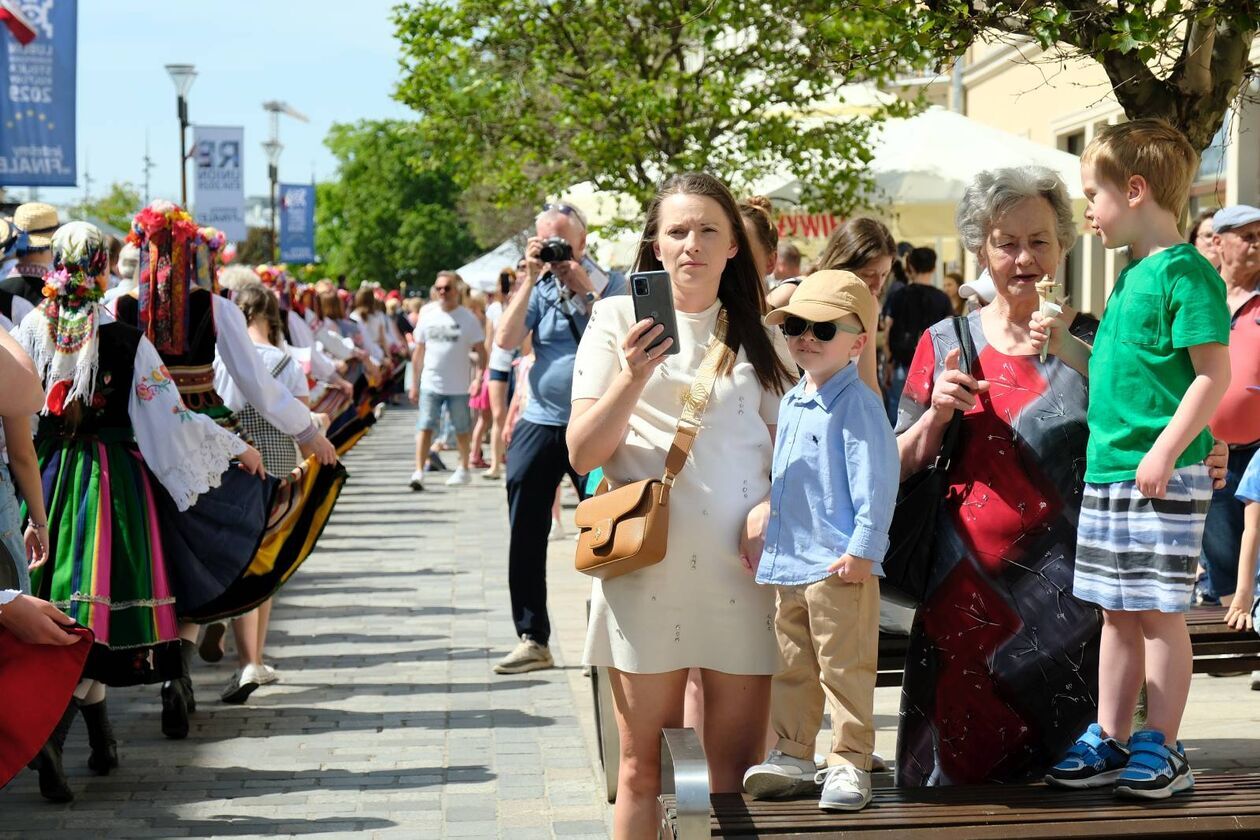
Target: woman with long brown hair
(699,607)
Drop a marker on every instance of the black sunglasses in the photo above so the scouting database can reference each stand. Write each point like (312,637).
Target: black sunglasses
(566,209)
(823,330)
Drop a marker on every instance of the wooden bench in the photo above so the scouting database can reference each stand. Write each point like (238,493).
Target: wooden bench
(1222,805)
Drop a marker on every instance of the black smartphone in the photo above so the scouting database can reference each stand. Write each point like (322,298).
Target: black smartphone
(654,298)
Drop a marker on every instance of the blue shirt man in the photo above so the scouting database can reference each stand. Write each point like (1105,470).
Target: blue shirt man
(552,307)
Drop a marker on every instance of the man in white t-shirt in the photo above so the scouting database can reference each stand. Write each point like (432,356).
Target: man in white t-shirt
(445,335)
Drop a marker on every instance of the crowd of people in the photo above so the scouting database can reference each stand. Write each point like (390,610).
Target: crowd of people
(1077,525)
(1100,477)
(183,460)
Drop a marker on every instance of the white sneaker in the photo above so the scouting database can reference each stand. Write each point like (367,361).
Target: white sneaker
(460,476)
(1255,680)
(557,531)
(528,655)
(780,775)
(242,685)
(417,480)
(268,675)
(845,788)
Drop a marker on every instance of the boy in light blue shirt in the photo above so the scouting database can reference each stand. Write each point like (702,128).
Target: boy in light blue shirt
(834,486)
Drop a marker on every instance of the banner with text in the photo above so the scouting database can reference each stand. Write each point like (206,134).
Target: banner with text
(219,196)
(37,90)
(297,223)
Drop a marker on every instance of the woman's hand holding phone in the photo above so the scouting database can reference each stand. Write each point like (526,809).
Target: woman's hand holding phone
(641,361)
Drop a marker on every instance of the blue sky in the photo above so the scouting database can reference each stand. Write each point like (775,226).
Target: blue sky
(334,61)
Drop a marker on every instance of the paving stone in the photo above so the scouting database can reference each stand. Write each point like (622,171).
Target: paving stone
(388,720)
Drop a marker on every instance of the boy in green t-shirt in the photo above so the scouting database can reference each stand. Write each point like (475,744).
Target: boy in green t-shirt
(1158,368)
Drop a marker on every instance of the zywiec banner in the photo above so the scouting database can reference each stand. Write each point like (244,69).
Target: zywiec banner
(297,223)
(220,186)
(37,90)
(807,225)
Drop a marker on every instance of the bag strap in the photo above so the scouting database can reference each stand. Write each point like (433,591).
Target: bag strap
(696,402)
(966,362)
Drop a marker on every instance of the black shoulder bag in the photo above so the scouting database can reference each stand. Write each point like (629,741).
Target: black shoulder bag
(912,547)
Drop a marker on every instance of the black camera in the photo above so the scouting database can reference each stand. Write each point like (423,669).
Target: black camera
(555,249)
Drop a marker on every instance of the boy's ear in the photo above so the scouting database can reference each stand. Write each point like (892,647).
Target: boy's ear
(1138,189)
(859,344)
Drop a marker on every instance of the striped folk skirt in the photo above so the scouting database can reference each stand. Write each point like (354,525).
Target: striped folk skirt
(1135,553)
(107,566)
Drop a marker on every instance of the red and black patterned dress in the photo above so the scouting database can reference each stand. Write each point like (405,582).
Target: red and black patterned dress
(1002,669)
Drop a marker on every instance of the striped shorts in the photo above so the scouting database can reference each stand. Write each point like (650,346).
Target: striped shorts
(1135,553)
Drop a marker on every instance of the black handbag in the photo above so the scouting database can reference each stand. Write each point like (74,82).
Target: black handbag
(912,535)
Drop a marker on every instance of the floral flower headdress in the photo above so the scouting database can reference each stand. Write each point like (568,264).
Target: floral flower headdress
(61,334)
(168,240)
(209,249)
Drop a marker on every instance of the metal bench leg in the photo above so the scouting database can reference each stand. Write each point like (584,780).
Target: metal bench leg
(685,769)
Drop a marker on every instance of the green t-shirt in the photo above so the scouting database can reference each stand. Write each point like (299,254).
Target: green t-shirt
(1141,367)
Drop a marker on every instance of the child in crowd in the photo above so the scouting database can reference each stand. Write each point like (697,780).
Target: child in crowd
(834,486)
(1241,613)
(1158,369)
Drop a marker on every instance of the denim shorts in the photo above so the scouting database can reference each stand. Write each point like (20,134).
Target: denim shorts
(431,412)
(11,529)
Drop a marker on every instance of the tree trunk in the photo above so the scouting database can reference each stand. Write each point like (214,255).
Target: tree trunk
(1195,97)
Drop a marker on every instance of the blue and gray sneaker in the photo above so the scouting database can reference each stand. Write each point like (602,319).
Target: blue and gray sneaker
(1154,771)
(1093,761)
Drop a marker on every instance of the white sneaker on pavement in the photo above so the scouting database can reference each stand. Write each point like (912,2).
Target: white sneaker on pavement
(268,675)
(528,655)
(780,775)
(242,685)
(460,476)
(557,531)
(844,788)
(417,480)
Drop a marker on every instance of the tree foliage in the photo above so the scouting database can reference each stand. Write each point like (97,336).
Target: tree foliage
(1184,61)
(115,208)
(390,215)
(527,99)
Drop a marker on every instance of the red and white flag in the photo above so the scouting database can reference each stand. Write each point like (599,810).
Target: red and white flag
(19,24)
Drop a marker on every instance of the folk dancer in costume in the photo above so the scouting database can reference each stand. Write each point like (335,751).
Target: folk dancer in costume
(191,326)
(116,446)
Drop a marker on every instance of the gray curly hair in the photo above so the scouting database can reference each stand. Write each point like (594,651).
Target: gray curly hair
(993,193)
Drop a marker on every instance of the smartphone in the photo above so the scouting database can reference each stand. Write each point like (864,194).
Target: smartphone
(654,298)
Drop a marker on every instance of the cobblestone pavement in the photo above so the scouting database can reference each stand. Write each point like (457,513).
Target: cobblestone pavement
(388,721)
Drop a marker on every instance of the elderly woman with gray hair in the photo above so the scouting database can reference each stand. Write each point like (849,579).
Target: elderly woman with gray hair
(1001,671)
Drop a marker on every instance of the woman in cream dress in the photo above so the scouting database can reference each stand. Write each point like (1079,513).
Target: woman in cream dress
(699,607)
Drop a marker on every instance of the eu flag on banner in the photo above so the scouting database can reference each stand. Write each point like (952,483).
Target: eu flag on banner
(37,90)
(297,223)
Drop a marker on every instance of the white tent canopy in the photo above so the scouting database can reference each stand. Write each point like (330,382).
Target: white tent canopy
(923,164)
(483,273)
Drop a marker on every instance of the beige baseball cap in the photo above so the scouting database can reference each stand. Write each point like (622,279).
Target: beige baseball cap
(829,296)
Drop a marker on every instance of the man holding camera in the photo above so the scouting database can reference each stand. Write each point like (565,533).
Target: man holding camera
(552,306)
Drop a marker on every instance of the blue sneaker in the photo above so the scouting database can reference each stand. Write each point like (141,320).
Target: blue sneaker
(1093,761)
(1154,771)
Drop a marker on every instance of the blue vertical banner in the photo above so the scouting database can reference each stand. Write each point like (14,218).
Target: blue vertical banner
(297,223)
(37,93)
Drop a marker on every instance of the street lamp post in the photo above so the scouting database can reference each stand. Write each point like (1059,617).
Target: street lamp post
(273,148)
(182,75)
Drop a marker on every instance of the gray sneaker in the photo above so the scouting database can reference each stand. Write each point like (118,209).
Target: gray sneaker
(526,656)
(844,788)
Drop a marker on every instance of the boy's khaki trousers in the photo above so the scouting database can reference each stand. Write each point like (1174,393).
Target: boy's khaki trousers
(828,635)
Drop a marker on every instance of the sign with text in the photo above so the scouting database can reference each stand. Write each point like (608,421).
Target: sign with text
(297,223)
(219,187)
(798,225)
(37,91)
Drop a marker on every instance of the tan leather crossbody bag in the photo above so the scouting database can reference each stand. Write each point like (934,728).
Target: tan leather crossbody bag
(627,529)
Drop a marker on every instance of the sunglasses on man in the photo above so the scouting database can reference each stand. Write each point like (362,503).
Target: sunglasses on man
(566,209)
(823,330)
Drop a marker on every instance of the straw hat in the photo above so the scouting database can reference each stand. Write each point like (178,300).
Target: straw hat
(38,221)
(829,296)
